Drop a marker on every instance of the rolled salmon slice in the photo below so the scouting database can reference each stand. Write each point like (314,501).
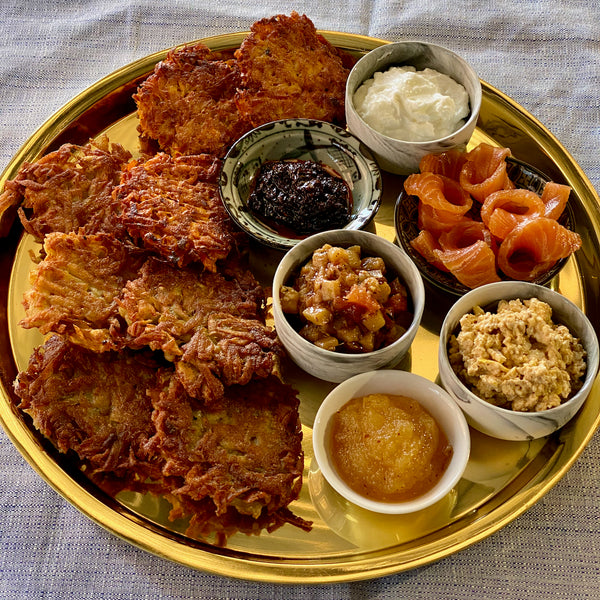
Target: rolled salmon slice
(448,164)
(473,266)
(484,171)
(465,234)
(555,197)
(534,247)
(438,221)
(503,210)
(425,243)
(439,192)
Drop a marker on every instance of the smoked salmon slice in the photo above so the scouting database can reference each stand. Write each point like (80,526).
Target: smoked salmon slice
(484,171)
(503,210)
(465,234)
(555,197)
(425,243)
(534,247)
(439,192)
(437,221)
(473,266)
(448,164)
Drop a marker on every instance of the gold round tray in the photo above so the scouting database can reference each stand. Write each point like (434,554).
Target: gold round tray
(502,480)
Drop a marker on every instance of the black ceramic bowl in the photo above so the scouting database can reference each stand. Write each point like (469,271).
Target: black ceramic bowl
(406,224)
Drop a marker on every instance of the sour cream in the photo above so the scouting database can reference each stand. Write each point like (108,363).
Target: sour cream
(411,105)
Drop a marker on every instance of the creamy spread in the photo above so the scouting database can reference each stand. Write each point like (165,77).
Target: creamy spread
(517,357)
(411,105)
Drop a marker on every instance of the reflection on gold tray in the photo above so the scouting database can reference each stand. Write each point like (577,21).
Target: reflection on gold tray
(502,479)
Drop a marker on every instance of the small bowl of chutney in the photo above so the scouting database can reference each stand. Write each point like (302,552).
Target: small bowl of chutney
(391,441)
(287,180)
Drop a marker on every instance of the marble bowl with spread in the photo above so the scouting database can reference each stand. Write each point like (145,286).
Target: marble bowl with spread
(334,366)
(402,156)
(430,397)
(504,423)
(298,140)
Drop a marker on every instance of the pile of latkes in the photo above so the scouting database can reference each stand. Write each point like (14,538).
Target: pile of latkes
(159,372)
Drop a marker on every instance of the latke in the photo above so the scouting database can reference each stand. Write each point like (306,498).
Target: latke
(187,106)
(289,70)
(172,207)
(66,190)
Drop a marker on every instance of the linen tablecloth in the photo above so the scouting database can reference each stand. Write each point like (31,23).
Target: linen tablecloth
(544,54)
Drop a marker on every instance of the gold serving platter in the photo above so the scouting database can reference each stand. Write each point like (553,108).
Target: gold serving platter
(502,480)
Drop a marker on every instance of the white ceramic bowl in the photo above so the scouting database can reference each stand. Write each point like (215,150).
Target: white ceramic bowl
(298,139)
(336,366)
(399,156)
(431,397)
(501,422)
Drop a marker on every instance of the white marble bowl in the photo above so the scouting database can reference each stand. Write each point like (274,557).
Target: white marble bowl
(298,139)
(399,156)
(336,366)
(431,397)
(501,422)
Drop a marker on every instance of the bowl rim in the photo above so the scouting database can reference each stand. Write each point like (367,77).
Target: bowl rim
(590,374)
(459,427)
(418,299)
(474,102)
(360,155)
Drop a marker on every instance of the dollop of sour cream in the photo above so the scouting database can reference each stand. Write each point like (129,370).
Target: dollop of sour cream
(411,105)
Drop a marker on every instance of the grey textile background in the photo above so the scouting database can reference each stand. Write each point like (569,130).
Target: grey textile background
(544,54)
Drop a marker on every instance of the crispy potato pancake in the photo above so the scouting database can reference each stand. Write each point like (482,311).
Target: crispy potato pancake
(172,206)
(93,404)
(228,350)
(244,455)
(210,325)
(206,524)
(289,70)
(234,468)
(75,288)
(66,190)
(165,306)
(188,104)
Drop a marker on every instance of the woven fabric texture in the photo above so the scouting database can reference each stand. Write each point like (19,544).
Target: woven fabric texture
(544,54)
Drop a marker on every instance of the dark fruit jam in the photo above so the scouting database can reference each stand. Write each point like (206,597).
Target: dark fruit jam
(302,195)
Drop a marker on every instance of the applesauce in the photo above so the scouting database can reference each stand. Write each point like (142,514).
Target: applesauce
(388,448)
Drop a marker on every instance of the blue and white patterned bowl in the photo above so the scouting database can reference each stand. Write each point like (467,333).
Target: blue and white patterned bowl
(399,156)
(503,423)
(301,139)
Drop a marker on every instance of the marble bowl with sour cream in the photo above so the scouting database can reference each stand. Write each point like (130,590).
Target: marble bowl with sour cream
(505,423)
(408,99)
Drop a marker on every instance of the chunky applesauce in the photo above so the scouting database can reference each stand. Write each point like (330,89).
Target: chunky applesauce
(345,301)
(388,448)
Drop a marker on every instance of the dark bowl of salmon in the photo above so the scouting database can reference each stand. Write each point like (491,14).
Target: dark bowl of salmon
(461,237)
(287,180)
